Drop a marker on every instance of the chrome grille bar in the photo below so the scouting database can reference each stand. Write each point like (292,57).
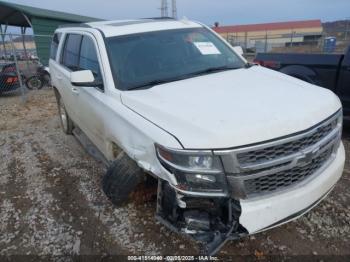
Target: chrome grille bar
(322,138)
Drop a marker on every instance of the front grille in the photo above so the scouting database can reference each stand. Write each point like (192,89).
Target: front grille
(277,151)
(274,166)
(285,179)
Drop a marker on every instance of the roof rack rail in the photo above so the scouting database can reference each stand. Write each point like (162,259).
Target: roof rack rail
(160,18)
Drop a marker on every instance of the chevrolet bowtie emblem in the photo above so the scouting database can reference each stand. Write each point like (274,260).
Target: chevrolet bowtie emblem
(307,157)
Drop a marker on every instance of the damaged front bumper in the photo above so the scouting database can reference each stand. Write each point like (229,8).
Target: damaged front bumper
(209,220)
(213,220)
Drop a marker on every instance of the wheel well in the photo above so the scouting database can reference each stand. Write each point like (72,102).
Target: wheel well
(57,94)
(300,72)
(115,150)
(303,78)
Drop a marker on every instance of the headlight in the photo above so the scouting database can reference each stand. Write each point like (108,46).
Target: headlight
(340,118)
(195,171)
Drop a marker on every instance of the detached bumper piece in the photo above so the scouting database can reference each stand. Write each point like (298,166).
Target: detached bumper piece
(210,221)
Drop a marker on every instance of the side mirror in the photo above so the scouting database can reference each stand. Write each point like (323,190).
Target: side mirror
(84,78)
(238,50)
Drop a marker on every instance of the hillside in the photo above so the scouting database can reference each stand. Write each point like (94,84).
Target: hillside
(337,28)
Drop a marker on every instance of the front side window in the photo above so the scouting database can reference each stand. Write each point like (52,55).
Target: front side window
(88,57)
(70,55)
(54,45)
(146,59)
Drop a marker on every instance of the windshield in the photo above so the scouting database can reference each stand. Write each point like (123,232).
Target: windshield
(147,59)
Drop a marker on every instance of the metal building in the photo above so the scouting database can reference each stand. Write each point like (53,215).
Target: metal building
(42,21)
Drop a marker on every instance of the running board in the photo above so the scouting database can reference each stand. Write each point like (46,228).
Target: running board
(89,147)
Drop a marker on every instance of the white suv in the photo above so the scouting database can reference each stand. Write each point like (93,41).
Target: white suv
(236,148)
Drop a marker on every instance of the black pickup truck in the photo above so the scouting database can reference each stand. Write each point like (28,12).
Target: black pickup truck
(331,71)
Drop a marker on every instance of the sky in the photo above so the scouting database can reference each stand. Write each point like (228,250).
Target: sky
(226,12)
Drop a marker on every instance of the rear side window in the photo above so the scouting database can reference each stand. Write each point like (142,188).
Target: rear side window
(54,45)
(70,55)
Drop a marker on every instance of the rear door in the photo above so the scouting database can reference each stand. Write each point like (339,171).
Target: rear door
(344,84)
(53,62)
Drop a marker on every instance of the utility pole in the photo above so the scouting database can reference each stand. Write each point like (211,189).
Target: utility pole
(174,8)
(291,39)
(347,21)
(3,38)
(164,8)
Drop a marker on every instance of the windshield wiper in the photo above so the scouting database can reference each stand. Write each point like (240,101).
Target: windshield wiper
(213,70)
(186,76)
(249,65)
(154,83)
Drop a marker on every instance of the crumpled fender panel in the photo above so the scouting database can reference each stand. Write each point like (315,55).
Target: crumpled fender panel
(124,129)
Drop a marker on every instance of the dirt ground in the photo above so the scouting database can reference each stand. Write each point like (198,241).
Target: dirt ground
(51,201)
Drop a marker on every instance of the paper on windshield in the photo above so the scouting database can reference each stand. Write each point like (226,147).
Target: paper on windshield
(207,48)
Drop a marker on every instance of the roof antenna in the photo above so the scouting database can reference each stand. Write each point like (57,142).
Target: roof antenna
(185,20)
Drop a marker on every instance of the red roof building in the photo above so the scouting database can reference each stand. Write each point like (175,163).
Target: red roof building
(270,36)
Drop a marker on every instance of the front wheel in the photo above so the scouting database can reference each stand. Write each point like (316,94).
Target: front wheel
(34,83)
(66,122)
(122,179)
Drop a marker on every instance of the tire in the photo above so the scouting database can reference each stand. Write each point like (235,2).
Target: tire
(121,179)
(34,83)
(66,123)
(47,80)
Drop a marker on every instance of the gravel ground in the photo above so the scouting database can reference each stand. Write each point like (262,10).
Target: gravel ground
(51,202)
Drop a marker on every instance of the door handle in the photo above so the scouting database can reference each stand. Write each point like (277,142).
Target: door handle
(75,90)
(59,77)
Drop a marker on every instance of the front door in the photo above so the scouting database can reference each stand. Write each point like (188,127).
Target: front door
(90,106)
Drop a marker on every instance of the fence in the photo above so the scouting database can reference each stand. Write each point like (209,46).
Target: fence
(20,67)
(327,42)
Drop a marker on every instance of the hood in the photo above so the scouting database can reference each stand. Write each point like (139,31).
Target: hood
(233,108)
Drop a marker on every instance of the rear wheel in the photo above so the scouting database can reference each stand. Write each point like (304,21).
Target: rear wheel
(47,80)
(122,179)
(34,83)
